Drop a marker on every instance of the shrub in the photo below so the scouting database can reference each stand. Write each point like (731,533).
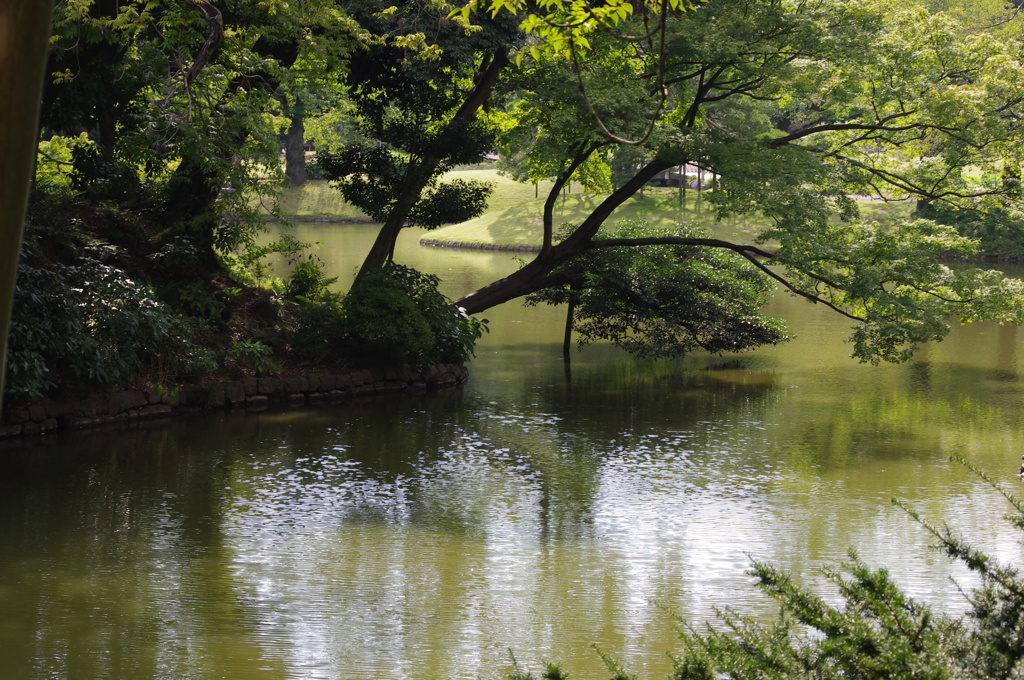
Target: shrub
(307,280)
(254,355)
(396,316)
(319,329)
(314,171)
(383,325)
(877,633)
(91,322)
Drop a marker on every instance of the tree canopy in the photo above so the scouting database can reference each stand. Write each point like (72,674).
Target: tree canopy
(420,100)
(796,108)
(173,112)
(166,103)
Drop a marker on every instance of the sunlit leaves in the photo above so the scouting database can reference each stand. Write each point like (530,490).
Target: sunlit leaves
(564,26)
(891,277)
(158,89)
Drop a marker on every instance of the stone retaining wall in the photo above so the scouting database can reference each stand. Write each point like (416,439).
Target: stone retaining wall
(984,258)
(427,241)
(312,388)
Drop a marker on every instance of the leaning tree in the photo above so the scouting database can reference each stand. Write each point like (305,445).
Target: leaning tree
(796,108)
(421,94)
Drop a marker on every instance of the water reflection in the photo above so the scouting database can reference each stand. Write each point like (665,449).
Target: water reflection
(426,536)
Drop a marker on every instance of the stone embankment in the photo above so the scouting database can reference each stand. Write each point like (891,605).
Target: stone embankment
(426,241)
(984,258)
(127,406)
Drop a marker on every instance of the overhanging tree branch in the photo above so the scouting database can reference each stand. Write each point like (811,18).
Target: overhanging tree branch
(750,253)
(214,39)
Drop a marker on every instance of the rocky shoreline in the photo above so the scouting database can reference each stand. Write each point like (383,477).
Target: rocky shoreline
(128,406)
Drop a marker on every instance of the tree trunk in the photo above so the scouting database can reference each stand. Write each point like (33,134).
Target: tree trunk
(533,276)
(383,248)
(419,174)
(24,38)
(570,315)
(295,147)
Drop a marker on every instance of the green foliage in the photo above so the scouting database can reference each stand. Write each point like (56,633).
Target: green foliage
(198,301)
(396,316)
(319,329)
(998,230)
(371,178)
(171,394)
(421,109)
(562,27)
(612,665)
(665,300)
(100,178)
(305,279)
(868,628)
(314,170)
(891,277)
(795,108)
(553,672)
(254,355)
(878,632)
(90,322)
(54,164)
(176,101)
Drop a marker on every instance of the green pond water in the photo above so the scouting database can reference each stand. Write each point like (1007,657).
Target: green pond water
(540,508)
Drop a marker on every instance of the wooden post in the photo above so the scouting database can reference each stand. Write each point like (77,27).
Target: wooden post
(700,185)
(682,180)
(24,39)
(569,314)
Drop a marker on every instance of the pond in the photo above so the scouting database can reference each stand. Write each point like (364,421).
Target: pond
(541,508)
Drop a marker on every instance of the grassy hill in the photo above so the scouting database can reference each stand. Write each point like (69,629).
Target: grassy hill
(514,212)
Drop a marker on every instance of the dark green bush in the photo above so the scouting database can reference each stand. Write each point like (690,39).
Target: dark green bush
(396,316)
(319,329)
(314,171)
(665,300)
(90,322)
(999,230)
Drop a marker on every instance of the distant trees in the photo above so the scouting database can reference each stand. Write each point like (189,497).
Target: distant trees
(173,110)
(175,98)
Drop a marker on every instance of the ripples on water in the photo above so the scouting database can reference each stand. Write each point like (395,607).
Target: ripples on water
(543,508)
(486,543)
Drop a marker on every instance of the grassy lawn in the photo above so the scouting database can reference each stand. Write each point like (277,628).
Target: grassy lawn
(316,198)
(514,212)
